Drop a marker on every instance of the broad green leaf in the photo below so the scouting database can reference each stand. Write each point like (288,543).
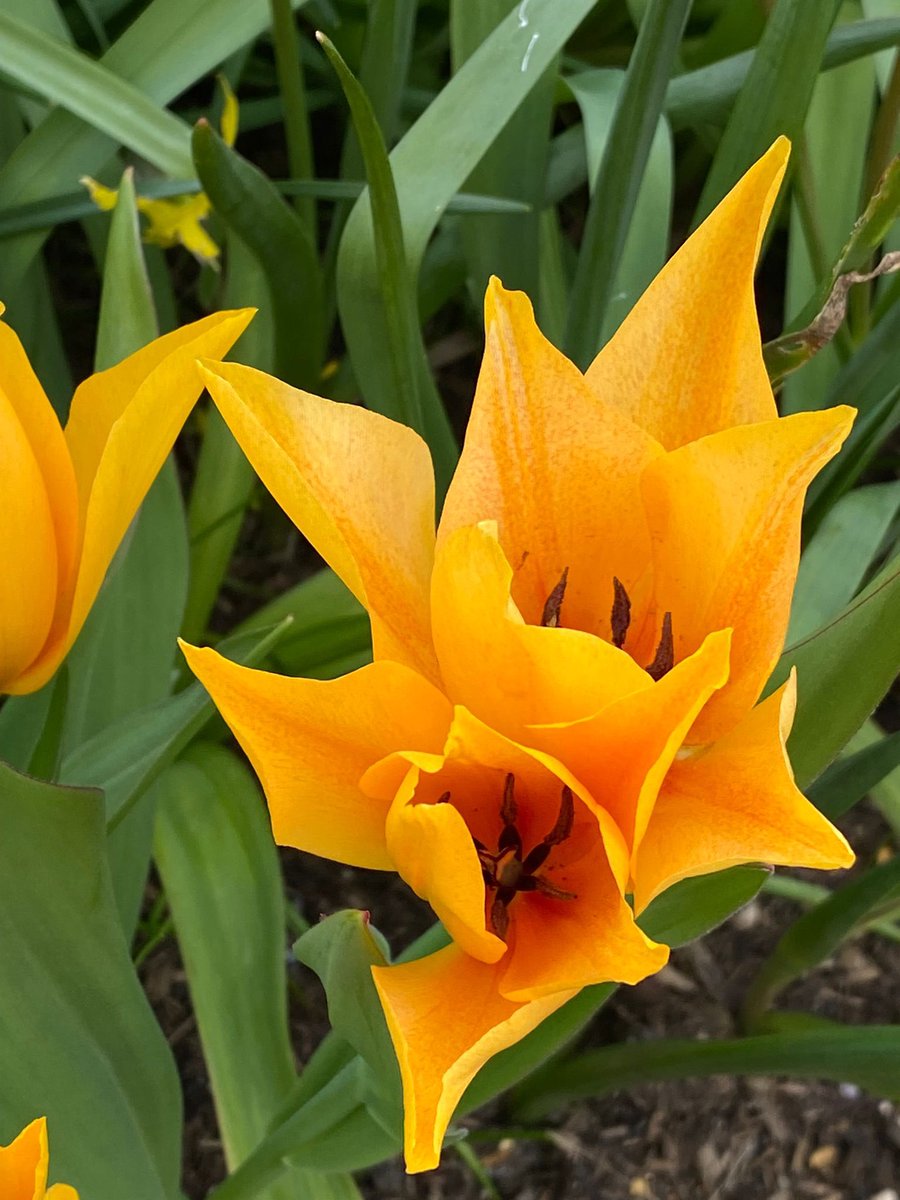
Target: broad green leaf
(851,778)
(818,933)
(647,242)
(165,50)
(218,864)
(80,1042)
(342,949)
(706,95)
(129,755)
(515,165)
(329,633)
(94,93)
(620,174)
(868,1056)
(843,670)
(432,162)
(835,562)
(406,350)
(691,908)
(252,208)
(776,93)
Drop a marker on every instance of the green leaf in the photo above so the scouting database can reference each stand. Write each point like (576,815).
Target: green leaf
(867,1056)
(647,242)
(81,1045)
(250,205)
(690,909)
(342,949)
(128,756)
(849,779)
(818,933)
(515,165)
(835,562)
(406,350)
(843,670)
(431,164)
(621,172)
(775,94)
(91,91)
(329,633)
(705,96)
(214,851)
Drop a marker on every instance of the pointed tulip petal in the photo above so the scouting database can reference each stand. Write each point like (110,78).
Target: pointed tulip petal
(622,753)
(311,741)
(61,1191)
(122,425)
(687,361)
(447,1018)
(359,486)
(736,802)
(724,514)
(508,673)
(23,1164)
(556,467)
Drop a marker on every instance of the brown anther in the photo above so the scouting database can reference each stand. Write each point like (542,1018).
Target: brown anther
(620,617)
(564,821)
(664,660)
(546,888)
(509,809)
(443,798)
(550,616)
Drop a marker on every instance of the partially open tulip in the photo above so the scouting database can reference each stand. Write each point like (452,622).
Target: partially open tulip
(68,496)
(562,711)
(24,1165)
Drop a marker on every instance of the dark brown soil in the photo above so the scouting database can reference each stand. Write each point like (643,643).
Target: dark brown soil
(715,1139)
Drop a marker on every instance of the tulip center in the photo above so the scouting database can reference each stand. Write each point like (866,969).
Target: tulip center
(619,620)
(510,870)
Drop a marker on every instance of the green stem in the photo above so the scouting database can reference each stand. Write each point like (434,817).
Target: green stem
(293,99)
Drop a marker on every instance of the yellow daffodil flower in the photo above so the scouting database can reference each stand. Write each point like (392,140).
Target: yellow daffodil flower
(68,496)
(178,220)
(562,708)
(24,1165)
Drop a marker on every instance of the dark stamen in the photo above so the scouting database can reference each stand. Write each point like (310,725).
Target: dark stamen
(443,798)
(550,616)
(564,821)
(620,618)
(546,888)
(665,651)
(509,834)
(507,872)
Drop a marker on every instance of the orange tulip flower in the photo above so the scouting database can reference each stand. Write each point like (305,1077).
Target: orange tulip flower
(68,497)
(24,1165)
(562,708)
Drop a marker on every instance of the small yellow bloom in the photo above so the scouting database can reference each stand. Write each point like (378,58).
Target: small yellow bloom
(177,221)
(562,708)
(24,1165)
(68,496)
